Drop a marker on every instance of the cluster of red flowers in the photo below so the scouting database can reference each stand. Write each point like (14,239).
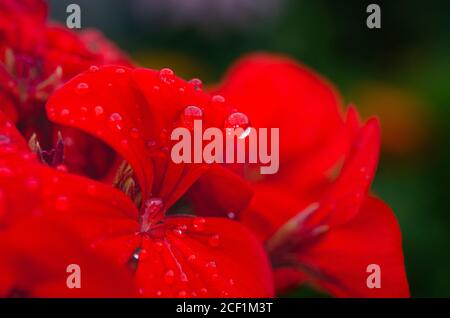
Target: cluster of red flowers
(160,229)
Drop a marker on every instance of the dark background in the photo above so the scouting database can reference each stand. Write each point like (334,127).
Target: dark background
(401,73)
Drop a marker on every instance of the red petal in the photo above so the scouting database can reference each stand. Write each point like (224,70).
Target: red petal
(277,92)
(345,196)
(228,260)
(199,257)
(134,112)
(343,254)
(220,192)
(35,257)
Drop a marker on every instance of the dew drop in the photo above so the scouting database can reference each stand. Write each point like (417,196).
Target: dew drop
(64,112)
(190,114)
(191,258)
(214,240)
(134,133)
(151,144)
(218,99)
(82,88)
(199,224)
(231,215)
(98,110)
(182,293)
(120,70)
(169,277)
(237,120)
(61,167)
(211,264)
(115,121)
(167,76)
(158,293)
(197,83)
(93,68)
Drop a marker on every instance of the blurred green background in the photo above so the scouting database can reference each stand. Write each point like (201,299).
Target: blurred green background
(400,73)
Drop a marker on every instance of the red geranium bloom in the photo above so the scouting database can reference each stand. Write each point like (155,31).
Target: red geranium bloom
(36,57)
(317,228)
(170,254)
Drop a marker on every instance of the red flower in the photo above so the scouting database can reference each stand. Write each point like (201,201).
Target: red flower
(170,254)
(317,228)
(36,57)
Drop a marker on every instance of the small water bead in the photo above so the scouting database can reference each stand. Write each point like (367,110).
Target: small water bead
(64,112)
(82,88)
(190,114)
(178,232)
(211,265)
(134,133)
(203,291)
(184,278)
(231,215)
(192,258)
(6,172)
(237,120)
(62,168)
(62,203)
(115,121)
(169,276)
(166,75)
(151,144)
(197,83)
(219,99)
(120,70)
(159,246)
(199,224)
(214,240)
(94,68)
(158,293)
(98,110)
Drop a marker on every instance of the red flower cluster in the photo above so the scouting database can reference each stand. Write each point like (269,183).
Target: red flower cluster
(180,230)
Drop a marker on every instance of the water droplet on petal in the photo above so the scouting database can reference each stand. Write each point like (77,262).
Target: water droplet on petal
(214,240)
(197,83)
(167,76)
(120,70)
(218,99)
(237,120)
(169,277)
(199,224)
(115,121)
(191,258)
(94,68)
(211,264)
(231,215)
(182,293)
(98,111)
(134,133)
(190,114)
(64,112)
(82,88)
